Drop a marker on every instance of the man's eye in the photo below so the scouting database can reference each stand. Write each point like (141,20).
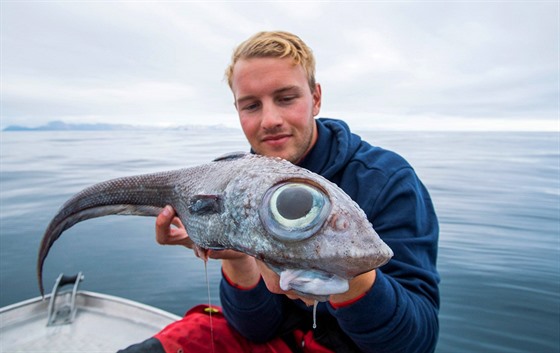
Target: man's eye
(287,99)
(250,107)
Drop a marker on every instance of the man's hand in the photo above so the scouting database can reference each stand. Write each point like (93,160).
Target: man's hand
(238,266)
(359,285)
(170,229)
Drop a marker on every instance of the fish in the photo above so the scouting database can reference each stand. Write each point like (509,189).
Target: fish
(301,225)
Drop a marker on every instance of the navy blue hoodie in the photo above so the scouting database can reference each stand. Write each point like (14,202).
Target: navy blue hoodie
(400,312)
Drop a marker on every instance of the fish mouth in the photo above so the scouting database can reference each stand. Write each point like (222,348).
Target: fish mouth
(313,284)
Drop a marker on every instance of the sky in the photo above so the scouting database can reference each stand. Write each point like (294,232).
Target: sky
(405,65)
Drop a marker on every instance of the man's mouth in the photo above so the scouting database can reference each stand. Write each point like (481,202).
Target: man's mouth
(275,139)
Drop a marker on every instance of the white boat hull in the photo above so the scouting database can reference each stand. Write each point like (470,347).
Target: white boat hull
(103,323)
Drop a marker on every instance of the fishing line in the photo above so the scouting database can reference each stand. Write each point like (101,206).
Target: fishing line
(210,308)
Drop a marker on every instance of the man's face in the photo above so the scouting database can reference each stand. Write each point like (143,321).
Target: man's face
(276,107)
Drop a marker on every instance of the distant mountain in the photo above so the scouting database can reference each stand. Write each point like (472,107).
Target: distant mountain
(62,126)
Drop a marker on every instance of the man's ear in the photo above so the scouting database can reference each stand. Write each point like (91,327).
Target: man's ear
(317,99)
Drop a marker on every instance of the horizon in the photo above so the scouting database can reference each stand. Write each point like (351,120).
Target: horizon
(467,126)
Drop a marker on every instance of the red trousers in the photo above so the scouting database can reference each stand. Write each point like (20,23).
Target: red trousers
(200,332)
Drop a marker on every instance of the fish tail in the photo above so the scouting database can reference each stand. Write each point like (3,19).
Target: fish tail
(143,195)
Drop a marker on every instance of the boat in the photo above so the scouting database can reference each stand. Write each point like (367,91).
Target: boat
(74,320)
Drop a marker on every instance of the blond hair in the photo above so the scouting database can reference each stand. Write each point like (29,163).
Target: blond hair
(275,44)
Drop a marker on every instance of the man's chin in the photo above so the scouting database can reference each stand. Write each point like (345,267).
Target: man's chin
(307,301)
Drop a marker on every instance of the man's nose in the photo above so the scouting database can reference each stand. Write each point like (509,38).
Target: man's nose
(271,116)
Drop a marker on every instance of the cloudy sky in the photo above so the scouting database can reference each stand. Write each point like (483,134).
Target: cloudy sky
(382,64)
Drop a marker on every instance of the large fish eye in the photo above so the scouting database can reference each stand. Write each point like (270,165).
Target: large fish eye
(294,211)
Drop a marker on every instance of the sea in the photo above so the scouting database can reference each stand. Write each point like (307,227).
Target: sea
(497,195)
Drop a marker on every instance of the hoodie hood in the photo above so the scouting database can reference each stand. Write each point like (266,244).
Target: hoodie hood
(334,148)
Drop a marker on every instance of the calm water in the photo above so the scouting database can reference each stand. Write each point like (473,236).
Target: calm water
(497,196)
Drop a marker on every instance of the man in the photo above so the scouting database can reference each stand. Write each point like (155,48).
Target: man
(391,309)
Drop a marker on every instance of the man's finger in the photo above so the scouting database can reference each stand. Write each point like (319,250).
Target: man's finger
(163,224)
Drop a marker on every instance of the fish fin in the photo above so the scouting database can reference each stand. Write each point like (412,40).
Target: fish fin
(201,253)
(205,204)
(230,156)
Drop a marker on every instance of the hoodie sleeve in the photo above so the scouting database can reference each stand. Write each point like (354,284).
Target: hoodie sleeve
(242,306)
(399,313)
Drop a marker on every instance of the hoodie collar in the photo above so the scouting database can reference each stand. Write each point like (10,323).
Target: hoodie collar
(334,147)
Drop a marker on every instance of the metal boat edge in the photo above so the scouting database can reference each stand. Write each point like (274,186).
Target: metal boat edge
(102,323)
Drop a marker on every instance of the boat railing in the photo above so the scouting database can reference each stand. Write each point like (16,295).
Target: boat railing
(62,303)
